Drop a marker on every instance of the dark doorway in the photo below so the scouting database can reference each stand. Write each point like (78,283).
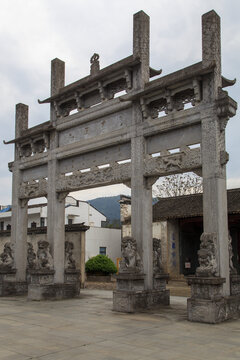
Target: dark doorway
(234,228)
(190,231)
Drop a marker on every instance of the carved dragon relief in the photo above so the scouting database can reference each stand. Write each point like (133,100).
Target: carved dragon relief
(33,189)
(185,160)
(111,175)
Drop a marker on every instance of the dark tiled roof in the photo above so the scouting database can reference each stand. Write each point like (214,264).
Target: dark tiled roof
(190,206)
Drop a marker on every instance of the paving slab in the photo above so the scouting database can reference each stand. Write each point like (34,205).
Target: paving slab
(87,328)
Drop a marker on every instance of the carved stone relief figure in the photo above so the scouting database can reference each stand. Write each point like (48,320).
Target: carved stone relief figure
(157,256)
(131,261)
(231,266)
(31,256)
(70,263)
(44,258)
(6,257)
(207,255)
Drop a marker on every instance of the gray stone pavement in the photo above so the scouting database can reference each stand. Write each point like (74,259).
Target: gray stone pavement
(87,328)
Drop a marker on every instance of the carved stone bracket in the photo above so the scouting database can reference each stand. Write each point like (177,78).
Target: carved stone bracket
(62,196)
(150,181)
(23,203)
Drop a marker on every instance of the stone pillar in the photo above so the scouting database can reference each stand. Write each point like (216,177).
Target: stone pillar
(135,283)
(57,82)
(141,193)
(56,222)
(56,202)
(82,260)
(210,288)
(19,218)
(14,279)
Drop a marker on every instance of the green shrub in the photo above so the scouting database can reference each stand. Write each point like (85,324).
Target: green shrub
(100,264)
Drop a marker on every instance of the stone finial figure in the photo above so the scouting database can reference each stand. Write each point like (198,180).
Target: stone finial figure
(207,255)
(94,64)
(131,260)
(70,263)
(6,257)
(44,258)
(231,266)
(31,256)
(157,256)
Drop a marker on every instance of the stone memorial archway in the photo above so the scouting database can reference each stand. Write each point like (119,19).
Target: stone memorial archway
(88,148)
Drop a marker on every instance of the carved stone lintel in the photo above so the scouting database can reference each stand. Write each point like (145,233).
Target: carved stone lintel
(33,189)
(207,256)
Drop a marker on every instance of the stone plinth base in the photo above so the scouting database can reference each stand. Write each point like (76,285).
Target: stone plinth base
(208,288)
(207,304)
(41,277)
(72,277)
(213,311)
(8,284)
(130,295)
(130,281)
(52,291)
(132,301)
(42,286)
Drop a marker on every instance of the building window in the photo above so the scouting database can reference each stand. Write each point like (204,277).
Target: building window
(102,250)
(8,227)
(70,221)
(33,225)
(2,225)
(42,221)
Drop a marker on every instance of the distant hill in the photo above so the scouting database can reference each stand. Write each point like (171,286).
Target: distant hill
(109,206)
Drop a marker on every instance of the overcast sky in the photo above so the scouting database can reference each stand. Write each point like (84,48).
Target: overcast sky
(33,32)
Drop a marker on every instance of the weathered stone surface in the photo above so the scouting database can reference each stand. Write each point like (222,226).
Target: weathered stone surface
(213,311)
(155,132)
(132,301)
(52,291)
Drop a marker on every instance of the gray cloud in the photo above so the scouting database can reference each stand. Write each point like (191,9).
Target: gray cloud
(72,30)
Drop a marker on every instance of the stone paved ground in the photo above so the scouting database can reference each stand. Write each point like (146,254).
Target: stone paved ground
(88,329)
